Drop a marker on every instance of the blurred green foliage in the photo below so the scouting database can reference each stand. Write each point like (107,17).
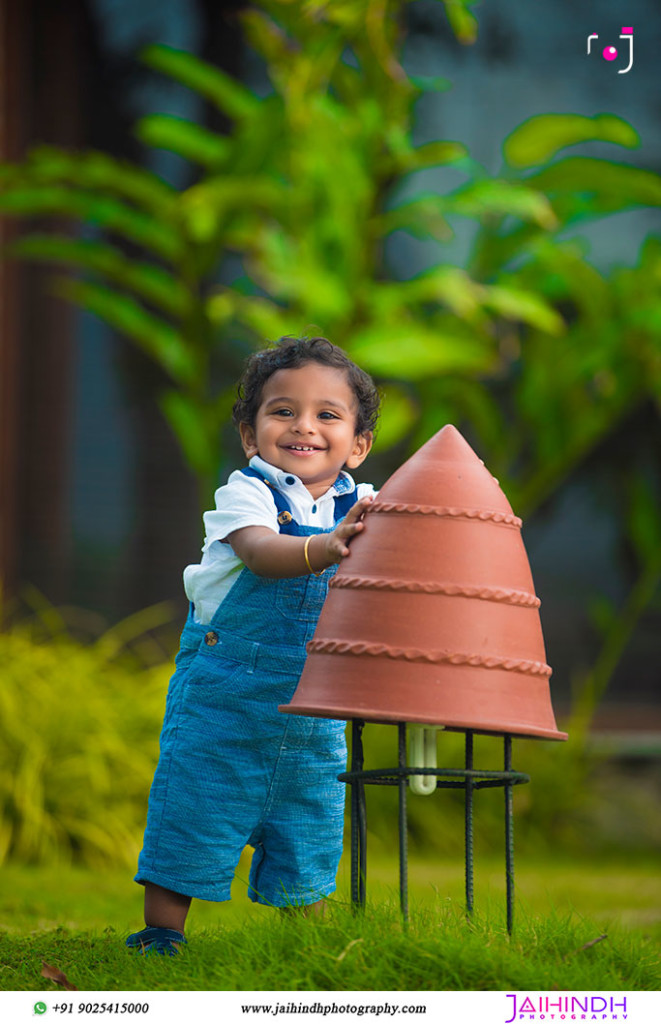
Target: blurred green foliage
(79,728)
(529,344)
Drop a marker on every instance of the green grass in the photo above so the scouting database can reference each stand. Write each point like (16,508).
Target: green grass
(77,921)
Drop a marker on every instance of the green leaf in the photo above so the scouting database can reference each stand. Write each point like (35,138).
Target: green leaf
(560,271)
(432,154)
(423,217)
(98,172)
(102,211)
(516,304)
(451,286)
(540,137)
(462,20)
(409,351)
(266,37)
(584,187)
(205,206)
(347,14)
(265,318)
(221,307)
(190,423)
(224,92)
(399,414)
(446,285)
(145,279)
(295,271)
(177,135)
(498,197)
(158,339)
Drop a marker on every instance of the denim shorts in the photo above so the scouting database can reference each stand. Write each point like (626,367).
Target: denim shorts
(234,771)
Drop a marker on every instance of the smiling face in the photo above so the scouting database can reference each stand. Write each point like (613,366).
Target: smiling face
(306,425)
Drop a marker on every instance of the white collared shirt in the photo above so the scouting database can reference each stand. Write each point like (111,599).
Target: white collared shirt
(247,501)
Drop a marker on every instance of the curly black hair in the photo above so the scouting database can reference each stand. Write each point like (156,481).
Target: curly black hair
(289,353)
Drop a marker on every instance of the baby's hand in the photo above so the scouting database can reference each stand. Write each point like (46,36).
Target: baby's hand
(336,542)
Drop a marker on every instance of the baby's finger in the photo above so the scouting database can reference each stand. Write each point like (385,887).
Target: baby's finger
(346,529)
(337,550)
(358,509)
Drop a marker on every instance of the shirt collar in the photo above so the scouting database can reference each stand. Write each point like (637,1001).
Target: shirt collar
(282,480)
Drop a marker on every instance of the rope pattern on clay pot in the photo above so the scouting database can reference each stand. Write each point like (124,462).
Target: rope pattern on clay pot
(532,668)
(501,594)
(483,515)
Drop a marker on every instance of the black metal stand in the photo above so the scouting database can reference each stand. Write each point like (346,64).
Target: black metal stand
(468,778)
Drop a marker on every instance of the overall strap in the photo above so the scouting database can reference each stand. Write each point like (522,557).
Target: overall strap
(343,502)
(283,507)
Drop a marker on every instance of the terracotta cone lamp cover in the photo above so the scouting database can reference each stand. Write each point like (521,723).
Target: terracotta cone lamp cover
(433,617)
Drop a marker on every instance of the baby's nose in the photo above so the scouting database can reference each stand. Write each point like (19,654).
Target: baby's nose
(304,424)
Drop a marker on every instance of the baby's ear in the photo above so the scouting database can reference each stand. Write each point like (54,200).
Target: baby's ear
(361,449)
(248,440)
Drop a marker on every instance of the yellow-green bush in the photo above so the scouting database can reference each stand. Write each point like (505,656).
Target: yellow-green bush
(78,745)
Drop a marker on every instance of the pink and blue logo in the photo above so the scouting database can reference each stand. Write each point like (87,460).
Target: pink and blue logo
(586,1006)
(609,52)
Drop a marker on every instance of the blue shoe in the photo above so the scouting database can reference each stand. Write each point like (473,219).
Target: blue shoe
(163,941)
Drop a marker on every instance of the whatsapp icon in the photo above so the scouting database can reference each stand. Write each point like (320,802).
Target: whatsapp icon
(40,1008)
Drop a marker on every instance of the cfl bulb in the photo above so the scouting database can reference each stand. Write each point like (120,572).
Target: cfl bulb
(422,754)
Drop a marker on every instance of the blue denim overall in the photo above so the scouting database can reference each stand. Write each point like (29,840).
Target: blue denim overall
(233,770)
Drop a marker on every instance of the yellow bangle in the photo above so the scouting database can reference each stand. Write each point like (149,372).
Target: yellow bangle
(307,560)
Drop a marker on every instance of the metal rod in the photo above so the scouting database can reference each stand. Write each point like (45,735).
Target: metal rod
(358,818)
(509,838)
(362,828)
(469,824)
(403,850)
(450,778)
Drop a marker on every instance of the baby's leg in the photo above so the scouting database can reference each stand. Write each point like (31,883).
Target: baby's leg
(165,908)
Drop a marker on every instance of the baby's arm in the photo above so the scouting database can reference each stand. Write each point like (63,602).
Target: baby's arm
(276,555)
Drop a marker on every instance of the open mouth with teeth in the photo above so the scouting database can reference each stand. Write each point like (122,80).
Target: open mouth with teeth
(303,448)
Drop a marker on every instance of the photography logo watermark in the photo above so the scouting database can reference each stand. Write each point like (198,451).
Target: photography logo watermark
(610,52)
(556,1008)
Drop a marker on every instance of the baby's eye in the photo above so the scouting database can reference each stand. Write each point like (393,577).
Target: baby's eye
(327,415)
(282,412)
